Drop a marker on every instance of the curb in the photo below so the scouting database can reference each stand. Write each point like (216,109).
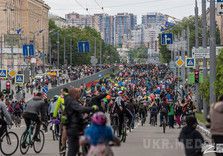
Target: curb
(204,131)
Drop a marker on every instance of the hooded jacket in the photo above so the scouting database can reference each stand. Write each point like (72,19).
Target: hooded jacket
(74,111)
(192,140)
(37,106)
(216,116)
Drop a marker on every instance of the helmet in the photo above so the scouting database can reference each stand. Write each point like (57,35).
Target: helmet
(55,97)
(99,118)
(120,92)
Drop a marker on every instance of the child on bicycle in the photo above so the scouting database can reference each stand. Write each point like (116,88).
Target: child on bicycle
(98,135)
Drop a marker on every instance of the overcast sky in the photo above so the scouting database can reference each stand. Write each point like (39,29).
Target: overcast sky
(176,8)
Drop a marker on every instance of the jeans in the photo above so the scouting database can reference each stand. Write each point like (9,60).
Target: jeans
(171,121)
(73,142)
(28,117)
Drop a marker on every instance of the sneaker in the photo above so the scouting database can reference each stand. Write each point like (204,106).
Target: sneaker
(36,139)
(23,145)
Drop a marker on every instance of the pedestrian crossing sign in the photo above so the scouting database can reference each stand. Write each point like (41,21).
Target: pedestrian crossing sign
(3,73)
(19,78)
(190,62)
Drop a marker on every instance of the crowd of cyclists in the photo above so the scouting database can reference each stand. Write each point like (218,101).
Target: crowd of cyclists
(80,116)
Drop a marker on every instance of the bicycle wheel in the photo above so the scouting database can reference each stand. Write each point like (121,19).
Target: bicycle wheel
(10,143)
(124,132)
(38,146)
(54,132)
(115,126)
(60,146)
(24,146)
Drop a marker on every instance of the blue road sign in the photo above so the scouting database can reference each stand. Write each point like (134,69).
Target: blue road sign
(45,89)
(19,78)
(190,62)
(3,73)
(28,50)
(166,38)
(219,0)
(83,46)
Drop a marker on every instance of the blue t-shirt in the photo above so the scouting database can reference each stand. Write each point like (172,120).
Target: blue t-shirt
(98,134)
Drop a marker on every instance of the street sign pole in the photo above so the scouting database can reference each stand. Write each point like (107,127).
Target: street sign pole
(71,52)
(95,46)
(204,44)
(64,52)
(196,46)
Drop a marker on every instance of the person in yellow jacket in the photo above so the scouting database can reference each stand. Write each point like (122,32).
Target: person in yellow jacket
(60,105)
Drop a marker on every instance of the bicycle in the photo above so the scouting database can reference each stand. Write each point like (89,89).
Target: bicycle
(124,129)
(55,128)
(164,123)
(27,141)
(9,142)
(153,122)
(115,124)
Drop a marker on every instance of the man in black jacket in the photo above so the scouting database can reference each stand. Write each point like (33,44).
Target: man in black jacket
(75,122)
(191,138)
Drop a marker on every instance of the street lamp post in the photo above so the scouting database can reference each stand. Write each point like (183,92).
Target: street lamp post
(204,45)
(212,51)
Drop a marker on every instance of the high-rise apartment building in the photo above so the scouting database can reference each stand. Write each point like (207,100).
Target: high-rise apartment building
(76,20)
(124,23)
(154,18)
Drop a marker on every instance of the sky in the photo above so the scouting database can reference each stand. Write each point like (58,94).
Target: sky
(175,8)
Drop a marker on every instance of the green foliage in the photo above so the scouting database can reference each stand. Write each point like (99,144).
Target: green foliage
(219,76)
(140,53)
(204,87)
(182,25)
(73,35)
(204,90)
(165,54)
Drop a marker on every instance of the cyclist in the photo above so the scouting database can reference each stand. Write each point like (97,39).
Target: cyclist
(99,135)
(60,106)
(153,112)
(5,118)
(163,112)
(119,108)
(35,107)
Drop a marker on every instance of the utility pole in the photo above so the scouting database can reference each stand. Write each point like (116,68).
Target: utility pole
(95,49)
(50,51)
(71,52)
(196,48)
(183,55)
(58,50)
(100,52)
(64,51)
(1,51)
(212,52)
(188,48)
(204,45)
(43,40)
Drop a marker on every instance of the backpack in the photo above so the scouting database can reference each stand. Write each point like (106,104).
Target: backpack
(17,106)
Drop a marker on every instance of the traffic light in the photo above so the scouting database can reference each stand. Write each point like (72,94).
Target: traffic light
(196,75)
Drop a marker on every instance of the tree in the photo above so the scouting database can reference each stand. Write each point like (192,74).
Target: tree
(182,25)
(80,34)
(204,87)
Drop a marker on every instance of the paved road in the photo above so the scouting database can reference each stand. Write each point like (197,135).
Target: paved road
(142,141)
